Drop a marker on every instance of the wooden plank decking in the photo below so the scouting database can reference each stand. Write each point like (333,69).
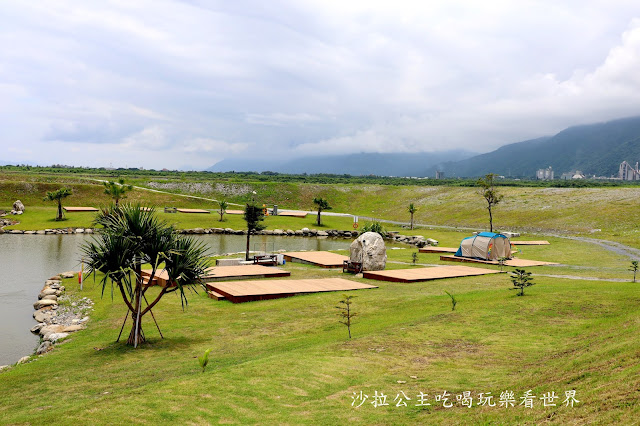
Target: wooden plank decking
(529,243)
(427,274)
(518,263)
(235,211)
(193,211)
(219,273)
(80,209)
(324,259)
(431,249)
(247,291)
(292,213)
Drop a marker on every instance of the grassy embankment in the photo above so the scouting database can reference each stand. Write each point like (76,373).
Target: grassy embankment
(607,213)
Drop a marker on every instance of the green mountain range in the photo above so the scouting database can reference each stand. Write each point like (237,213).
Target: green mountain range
(595,149)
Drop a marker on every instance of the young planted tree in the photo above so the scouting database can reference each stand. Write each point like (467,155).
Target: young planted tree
(454,302)
(58,196)
(321,204)
(117,190)
(412,209)
(634,268)
(223,209)
(346,314)
(490,194)
(131,237)
(254,216)
(414,257)
(521,279)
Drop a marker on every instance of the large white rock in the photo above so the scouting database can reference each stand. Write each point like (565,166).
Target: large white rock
(369,249)
(18,206)
(54,337)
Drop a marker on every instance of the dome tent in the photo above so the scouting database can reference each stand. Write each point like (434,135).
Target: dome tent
(485,246)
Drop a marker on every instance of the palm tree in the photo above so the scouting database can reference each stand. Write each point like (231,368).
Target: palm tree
(117,190)
(223,209)
(131,237)
(412,209)
(253,215)
(58,196)
(322,205)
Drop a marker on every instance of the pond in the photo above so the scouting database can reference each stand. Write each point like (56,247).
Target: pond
(26,261)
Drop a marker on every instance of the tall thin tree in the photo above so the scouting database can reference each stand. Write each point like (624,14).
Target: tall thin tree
(412,209)
(254,216)
(490,194)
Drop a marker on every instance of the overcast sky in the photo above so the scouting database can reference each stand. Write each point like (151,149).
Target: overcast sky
(180,84)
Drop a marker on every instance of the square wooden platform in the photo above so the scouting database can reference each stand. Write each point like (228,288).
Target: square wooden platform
(323,259)
(515,262)
(247,291)
(427,274)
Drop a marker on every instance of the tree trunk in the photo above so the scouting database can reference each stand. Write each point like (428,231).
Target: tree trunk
(490,220)
(412,221)
(319,216)
(132,340)
(246,257)
(59,210)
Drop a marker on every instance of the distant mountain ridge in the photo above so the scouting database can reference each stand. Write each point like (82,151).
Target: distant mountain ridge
(593,149)
(400,164)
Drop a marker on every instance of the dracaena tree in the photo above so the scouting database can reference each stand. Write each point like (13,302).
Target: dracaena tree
(254,216)
(130,238)
(412,209)
(58,196)
(321,204)
(117,190)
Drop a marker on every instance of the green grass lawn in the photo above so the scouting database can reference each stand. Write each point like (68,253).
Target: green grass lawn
(290,361)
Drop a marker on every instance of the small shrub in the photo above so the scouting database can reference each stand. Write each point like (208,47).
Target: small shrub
(521,279)
(204,360)
(634,268)
(375,227)
(346,314)
(414,257)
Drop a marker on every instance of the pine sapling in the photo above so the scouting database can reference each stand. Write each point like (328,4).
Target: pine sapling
(521,279)
(414,257)
(634,268)
(346,314)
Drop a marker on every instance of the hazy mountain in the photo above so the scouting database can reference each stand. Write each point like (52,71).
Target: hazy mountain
(401,164)
(594,149)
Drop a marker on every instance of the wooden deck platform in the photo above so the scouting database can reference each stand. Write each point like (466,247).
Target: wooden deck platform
(432,249)
(529,243)
(220,273)
(247,291)
(235,212)
(324,259)
(515,262)
(427,274)
(292,213)
(80,209)
(193,211)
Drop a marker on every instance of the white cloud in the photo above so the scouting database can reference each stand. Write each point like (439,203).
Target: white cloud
(190,79)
